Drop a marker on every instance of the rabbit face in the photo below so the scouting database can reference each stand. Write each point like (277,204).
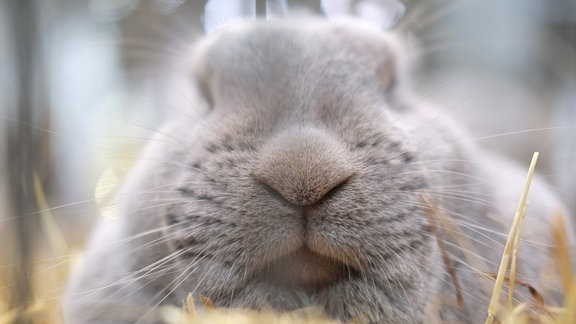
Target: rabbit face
(300,177)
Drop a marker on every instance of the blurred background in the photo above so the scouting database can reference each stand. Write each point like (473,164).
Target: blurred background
(84,83)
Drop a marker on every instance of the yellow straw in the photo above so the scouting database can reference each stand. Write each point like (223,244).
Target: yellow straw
(518,217)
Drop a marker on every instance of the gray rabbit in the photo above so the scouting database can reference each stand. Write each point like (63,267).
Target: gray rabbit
(304,173)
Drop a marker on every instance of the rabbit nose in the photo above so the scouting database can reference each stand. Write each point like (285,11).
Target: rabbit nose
(303,166)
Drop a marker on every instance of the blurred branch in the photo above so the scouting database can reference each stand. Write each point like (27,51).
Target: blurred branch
(22,151)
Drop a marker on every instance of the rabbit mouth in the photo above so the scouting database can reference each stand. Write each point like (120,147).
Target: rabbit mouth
(307,270)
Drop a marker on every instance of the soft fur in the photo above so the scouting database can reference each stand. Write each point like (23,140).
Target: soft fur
(298,178)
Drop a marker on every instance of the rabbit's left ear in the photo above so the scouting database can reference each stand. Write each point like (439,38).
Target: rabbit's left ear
(381,14)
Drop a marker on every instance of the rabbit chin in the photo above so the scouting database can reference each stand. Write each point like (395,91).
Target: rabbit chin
(307,270)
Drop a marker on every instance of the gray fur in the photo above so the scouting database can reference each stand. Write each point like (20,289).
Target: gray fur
(300,182)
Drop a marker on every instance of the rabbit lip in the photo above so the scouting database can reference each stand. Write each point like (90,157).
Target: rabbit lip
(306,269)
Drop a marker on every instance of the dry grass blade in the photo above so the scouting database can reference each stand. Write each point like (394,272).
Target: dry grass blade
(493,307)
(562,252)
(533,291)
(191,306)
(516,245)
(570,304)
(207,302)
(433,215)
(465,244)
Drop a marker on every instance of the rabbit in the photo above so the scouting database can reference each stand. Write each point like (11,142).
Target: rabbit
(305,172)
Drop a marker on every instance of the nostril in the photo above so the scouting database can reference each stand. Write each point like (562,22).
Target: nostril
(339,186)
(269,189)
